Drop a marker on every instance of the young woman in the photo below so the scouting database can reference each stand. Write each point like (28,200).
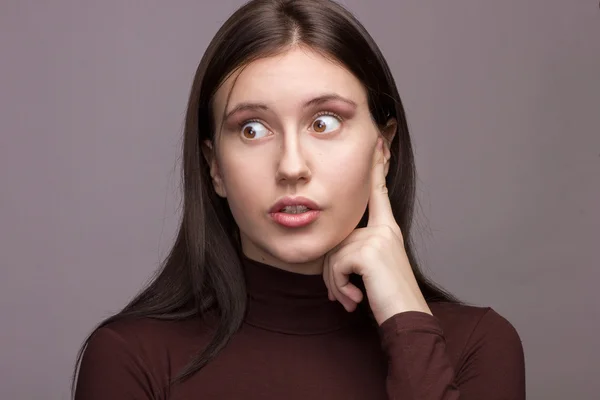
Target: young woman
(293,276)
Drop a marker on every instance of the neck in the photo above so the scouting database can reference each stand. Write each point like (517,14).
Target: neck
(291,302)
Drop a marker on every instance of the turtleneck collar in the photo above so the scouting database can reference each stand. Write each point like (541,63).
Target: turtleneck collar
(289,302)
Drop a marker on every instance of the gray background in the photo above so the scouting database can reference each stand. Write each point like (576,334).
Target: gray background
(503,99)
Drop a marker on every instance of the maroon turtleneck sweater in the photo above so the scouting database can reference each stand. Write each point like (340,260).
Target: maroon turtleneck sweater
(296,344)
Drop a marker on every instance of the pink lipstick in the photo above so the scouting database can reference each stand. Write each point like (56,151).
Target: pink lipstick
(294,212)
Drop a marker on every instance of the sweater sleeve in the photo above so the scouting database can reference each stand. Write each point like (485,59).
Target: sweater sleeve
(491,365)
(110,370)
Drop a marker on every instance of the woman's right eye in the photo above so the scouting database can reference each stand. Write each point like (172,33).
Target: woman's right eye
(254,130)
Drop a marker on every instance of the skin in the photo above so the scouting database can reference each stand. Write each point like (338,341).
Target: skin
(298,124)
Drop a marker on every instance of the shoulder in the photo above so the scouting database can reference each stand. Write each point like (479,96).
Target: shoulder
(469,329)
(137,356)
(145,338)
(455,317)
(147,329)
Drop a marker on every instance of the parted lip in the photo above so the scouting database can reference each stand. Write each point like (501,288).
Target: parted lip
(293,201)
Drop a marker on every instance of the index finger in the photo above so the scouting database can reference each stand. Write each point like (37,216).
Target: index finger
(380,209)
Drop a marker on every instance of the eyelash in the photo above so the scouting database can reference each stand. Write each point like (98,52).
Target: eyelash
(317,115)
(330,113)
(246,122)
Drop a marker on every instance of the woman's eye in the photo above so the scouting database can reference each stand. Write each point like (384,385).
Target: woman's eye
(254,130)
(325,124)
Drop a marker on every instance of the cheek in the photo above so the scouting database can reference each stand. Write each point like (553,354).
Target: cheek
(243,177)
(348,179)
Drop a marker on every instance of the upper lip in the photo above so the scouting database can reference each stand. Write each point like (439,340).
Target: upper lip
(293,201)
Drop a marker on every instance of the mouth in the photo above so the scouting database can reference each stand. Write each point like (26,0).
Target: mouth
(294,212)
(294,205)
(294,209)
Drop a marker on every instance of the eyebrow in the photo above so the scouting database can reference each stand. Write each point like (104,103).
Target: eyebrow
(246,106)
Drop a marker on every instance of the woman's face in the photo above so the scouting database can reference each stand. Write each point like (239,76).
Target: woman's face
(294,125)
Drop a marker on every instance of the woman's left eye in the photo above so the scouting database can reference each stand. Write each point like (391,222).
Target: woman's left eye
(325,124)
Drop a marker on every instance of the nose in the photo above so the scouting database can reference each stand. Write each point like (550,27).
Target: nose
(292,164)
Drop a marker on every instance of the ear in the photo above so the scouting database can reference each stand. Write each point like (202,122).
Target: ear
(209,155)
(388,132)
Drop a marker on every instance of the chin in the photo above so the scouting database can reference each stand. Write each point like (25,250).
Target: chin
(291,254)
(297,250)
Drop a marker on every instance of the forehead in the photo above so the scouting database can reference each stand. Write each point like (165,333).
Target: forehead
(289,79)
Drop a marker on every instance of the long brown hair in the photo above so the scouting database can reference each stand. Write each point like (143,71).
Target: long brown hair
(203,269)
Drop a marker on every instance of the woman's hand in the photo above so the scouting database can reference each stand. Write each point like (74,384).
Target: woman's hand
(377,253)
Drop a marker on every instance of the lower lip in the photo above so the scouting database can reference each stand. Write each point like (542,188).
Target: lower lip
(295,220)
